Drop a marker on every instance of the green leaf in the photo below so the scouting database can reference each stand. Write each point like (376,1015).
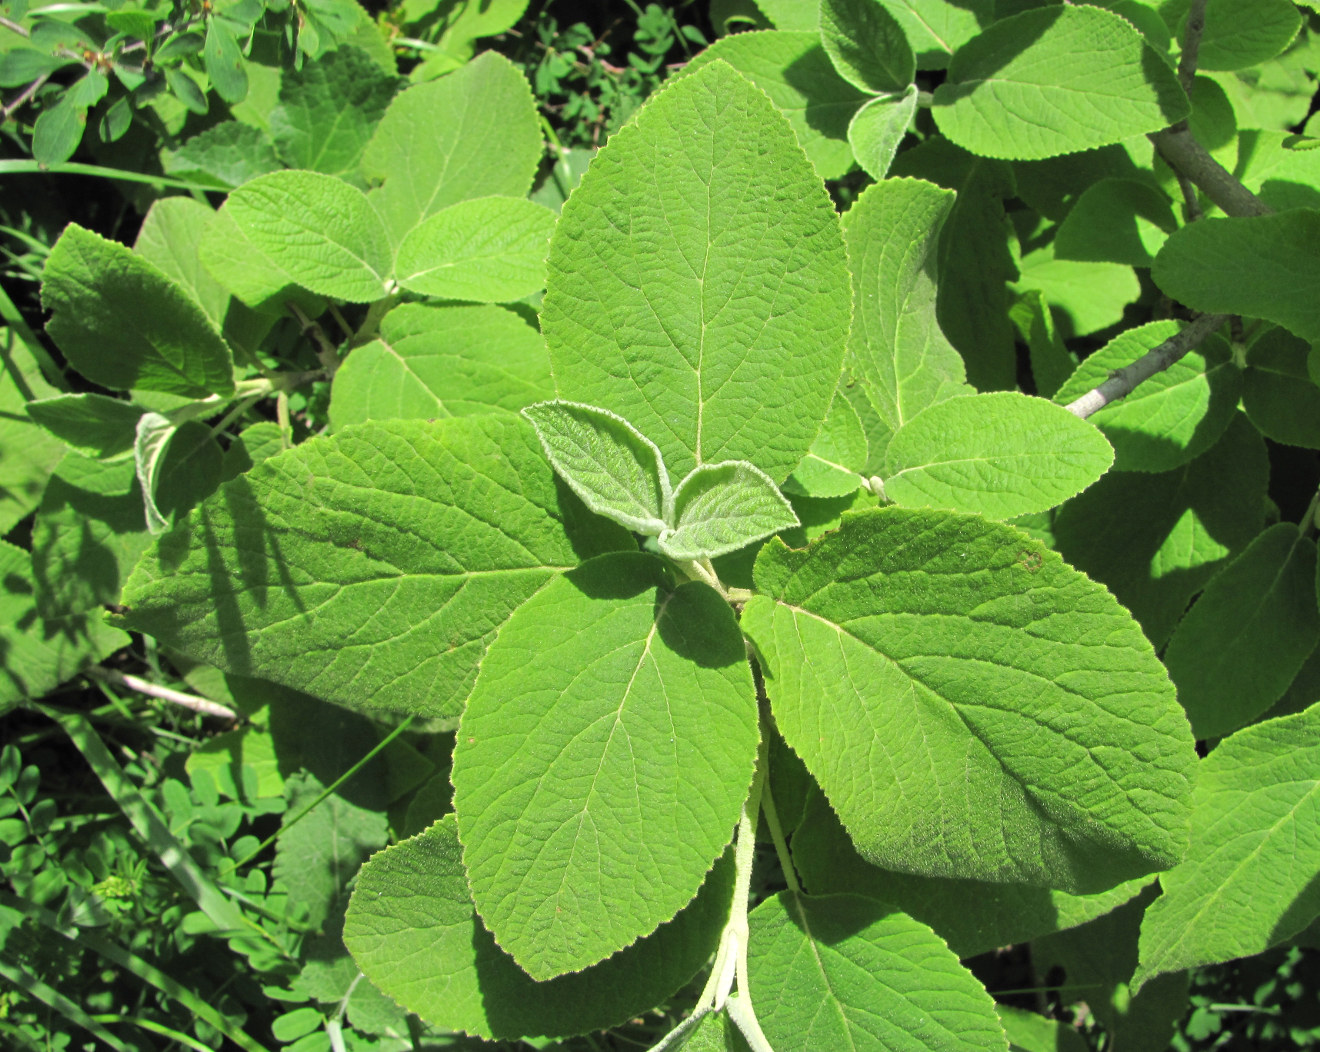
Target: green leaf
(1024,88)
(29,453)
(422,536)
(438,361)
(936,28)
(1155,539)
(793,69)
(1029,1032)
(833,466)
(877,129)
(1051,361)
(168,239)
(720,508)
(97,289)
(412,929)
(973,917)
(185,89)
(1279,395)
(1086,297)
(259,280)
(152,437)
(1248,881)
(229,152)
(311,229)
(1239,647)
(591,812)
(867,45)
(489,249)
(791,14)
(999,716)
(697,281)
(613,467)
(1116,221)
(1242,33)
(896,352)
(1174,416)
(58,131)
(224,61)
(329,110)
(1000,455)
(92,424)
(473,134)
(854,973)
(1262,266)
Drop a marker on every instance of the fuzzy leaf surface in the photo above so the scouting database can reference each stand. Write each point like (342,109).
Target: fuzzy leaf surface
(720,508)
(1240,646)
(314,230)
(1025,88)
(999,454)
(421,536)
(1249,879)
(488,249)
(439,361)
(877,130)
(591,810)
(1262,266)
(896,352)
(971,705)
(412,929)
(711,308)
(866,45)
(613,467)
(471,134)
(844,971)
(96,289)
(1175,415)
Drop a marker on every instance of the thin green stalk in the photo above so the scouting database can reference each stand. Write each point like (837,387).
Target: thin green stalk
(156,1028)
(777,837)
(52,998)
(101,171)
(14,319)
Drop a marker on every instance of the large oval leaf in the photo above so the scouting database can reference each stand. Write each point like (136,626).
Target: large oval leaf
(971,705)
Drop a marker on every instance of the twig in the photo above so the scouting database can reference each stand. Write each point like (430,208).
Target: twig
(10,24)
(27,93)
(1121,382)
(1191,48)
(151,690)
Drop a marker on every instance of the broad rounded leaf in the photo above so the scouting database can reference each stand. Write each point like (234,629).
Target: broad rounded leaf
(412,929)
(1026,88)
(613,467)
(698,285)
(371,568)
(937,28)
(720,508)
(1000,454)
(602,760)
(490,250)
(1175,415)
(1240,646)
(1242,33)
(972,706)
(314,229)
(1263,266)
(866,45)
(1116,221)
(1249,879)
(99,290)
(93,424)
(1279,393)
(844,971)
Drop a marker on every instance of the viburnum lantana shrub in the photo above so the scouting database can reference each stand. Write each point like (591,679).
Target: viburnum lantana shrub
(758,529)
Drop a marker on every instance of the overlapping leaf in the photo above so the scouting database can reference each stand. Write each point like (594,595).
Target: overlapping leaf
(1279,394)
(720,508)
(971,705)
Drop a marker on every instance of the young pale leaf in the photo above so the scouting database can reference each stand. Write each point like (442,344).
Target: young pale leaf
(438,361)
(972,916)
(793,69)
(698,284)
(1279,394)
(972,706)
(897,354)
(412,929)
(489,249)
(471,134)
(720,508)
(151,439)
(844,971)
(616,470)
(1262,266)
(1174,416)
(1242,33)
(602,760)
(867,45)
(1154,540)
(99,291)
(93,424)
(877,129)
(1000,455)
(313,230)
(1024,89)
(1248,881)
(1239,647)
(422,536)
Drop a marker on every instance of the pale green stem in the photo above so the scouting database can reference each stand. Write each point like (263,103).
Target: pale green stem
(777,836)
(702,570)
